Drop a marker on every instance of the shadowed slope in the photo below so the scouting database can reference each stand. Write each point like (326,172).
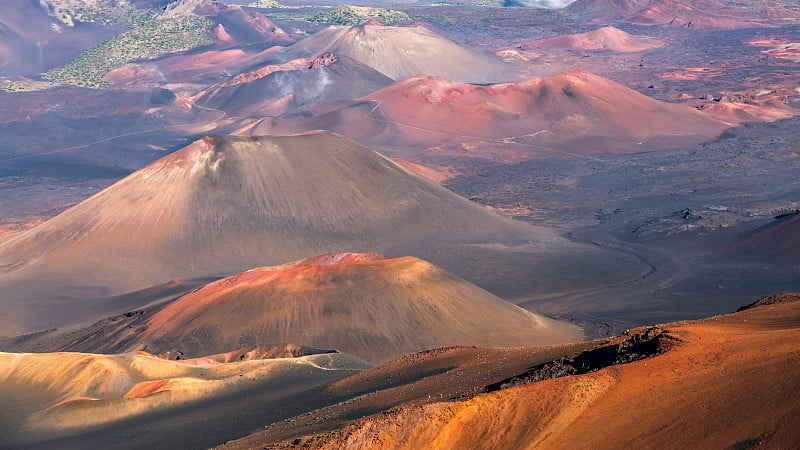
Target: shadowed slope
(779,239)
(32,41)
(227,204)
(399,52)
(49,395)
(728,383)
(277,89)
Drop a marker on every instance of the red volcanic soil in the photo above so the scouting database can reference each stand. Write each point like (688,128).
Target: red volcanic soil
(779,239)
(723,382)
(228,203)
(248,26)
(11,227)
(779,48)
(606,38)
(367,305)
(567,115)
(436,174)
(748,108)
(235,25)
(578,111)
(186,67)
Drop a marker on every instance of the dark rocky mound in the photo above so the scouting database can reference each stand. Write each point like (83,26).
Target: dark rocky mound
(782,297)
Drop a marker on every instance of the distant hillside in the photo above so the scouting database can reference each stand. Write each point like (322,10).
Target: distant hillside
(399,52)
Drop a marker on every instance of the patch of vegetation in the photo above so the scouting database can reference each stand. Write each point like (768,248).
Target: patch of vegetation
(148,38)
(27,85)
(265,4)
(128,16)
(355,15)
(99,11)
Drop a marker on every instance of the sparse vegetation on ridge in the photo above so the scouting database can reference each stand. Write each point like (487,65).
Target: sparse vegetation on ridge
(108,13)
(147,39)
(265,4)
(355,15)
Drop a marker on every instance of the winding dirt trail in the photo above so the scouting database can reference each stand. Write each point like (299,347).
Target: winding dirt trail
(609,303)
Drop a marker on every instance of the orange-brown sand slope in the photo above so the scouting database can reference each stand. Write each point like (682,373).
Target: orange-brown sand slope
(729,383)
(606,38)
(370,306)
(49,395)
(400,52)
(576,111)
(419,378)
(226,204)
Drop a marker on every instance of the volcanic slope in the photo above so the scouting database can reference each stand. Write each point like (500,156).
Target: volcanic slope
(723,382)
(400,52)
(237,26)
(575,113)
(276,89)
(606,38)
(778,239)
(367,305)
(52,395)
(31,41)
(688,13)
(225,204)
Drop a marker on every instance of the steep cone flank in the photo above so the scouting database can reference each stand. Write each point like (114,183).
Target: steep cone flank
(556,110)
(399,52)
(250,27)
(225,204)
(779,239)
(606,38)
(276,89)
(370,306)
(32,41)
